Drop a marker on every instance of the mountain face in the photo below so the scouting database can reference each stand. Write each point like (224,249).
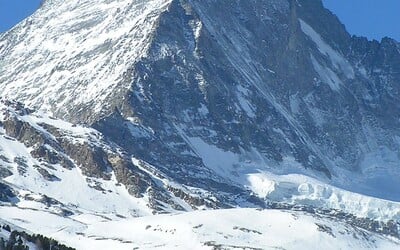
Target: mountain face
(157,106)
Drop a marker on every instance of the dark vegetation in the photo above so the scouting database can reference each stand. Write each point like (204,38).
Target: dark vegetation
(20,240)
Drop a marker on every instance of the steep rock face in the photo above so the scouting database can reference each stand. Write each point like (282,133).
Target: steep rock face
(37,151)
(259,81)
(209,93)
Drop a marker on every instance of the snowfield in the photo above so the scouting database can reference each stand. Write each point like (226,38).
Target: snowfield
(215,229)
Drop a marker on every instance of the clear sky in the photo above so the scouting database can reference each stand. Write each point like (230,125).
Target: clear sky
(13,11)
(371,18)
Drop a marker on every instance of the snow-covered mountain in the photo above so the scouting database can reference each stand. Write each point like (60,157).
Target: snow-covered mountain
(119,109)
(234,229)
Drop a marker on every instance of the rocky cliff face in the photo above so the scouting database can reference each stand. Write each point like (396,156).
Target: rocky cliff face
(210,96)
(35,148)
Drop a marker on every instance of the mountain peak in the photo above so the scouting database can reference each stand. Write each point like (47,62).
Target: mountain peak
(79,53)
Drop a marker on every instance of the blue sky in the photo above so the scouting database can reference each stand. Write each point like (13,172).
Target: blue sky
(13,11)
(371,18)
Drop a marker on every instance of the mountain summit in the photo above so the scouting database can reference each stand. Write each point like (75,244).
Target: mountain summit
(79,52)
(205,104)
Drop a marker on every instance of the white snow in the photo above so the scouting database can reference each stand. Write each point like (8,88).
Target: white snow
(302,190)
(289,182)
(213,157)
(242,95)
(229,229)
(327,75)
(336,58)
(67,43)
(295,104)
(71,188)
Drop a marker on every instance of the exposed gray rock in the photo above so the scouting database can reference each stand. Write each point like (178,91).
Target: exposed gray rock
(217,90)
(6,193)
(46,175)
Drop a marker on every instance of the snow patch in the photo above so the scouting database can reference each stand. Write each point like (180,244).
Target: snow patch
(336,58)
(327,75)
(243,98)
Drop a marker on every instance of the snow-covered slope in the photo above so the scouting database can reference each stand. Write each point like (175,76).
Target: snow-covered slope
(83,50)
(66,200)
(43,176)
(219,229)
(170,73)
(66,169)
